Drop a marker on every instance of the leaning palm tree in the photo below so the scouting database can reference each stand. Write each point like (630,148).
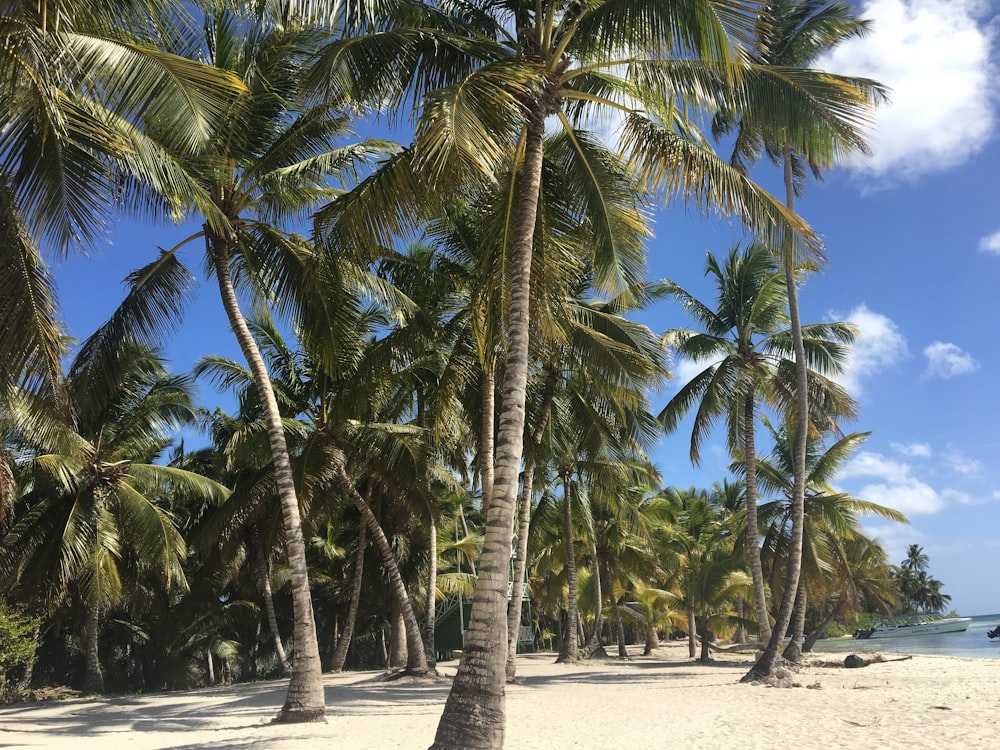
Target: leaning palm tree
(744,342)
(789,37)
(485,78)
(270,165)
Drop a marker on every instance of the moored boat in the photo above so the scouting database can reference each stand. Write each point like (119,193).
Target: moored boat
(915,625)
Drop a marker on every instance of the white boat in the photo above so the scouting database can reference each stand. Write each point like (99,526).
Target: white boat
(915,625)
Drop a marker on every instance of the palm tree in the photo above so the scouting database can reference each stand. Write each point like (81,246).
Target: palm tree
(790,36)
(744,341)
(80,85)
(92,498)
(830,517)
(271,164)
(486,77)
(916,559)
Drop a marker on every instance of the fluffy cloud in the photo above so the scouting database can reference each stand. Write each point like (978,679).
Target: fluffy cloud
(935,57)
(892,483)
(912,450)
(948,360)
(880,345)
(990,243)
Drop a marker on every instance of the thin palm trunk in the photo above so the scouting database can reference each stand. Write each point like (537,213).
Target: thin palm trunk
(572,651)
(209,666)
(619,628)
(793,651)
(594,644)
(753,532)
(431,619)
(416,660)
(516,602)
(304,700)
(474,715)
(765,663)
(486,453)
(93,677)
(264,579)
(340,653)
(692,646)
(815,635)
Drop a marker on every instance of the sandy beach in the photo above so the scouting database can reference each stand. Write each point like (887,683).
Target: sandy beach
(664,700)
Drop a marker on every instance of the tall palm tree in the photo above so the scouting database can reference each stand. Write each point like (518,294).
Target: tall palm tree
(743,340)
(269,165)
(486,77)
(790,36)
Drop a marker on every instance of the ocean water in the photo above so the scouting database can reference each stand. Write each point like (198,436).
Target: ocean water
(973,642)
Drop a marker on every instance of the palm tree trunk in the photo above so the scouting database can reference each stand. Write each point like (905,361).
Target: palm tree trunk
(340,653)
(815,635)
(264,580)
(765,663)
(93,677)
(397,639)
(619,628)
(793,651)
(474,715)
(209,666)
(692,625)
(304,700)
(523,530)
(706,640)
(572,652)
(741,633)
(594,644)
(652,637)
(416,661)
(753,531)
(486,448)
(431,619)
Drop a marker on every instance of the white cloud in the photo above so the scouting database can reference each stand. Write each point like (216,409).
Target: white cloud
(912,450)
(995,495)
(990,243)
(963,464)
(960,498)
(880,345)
(935,57)
(895,485)
(948,360)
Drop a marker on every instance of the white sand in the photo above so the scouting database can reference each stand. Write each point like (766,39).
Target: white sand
(662,701)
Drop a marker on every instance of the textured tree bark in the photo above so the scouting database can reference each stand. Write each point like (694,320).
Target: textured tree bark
(431,619)
(340,654)
(793,651)
(93,677)
(692,626)
(397,636)
(572,653)
(594,646)
(304,700)
(763,666)
(753,531)
(474,714)
(619,629)
(416,659)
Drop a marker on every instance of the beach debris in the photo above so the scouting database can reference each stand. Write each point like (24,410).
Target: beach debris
(814,686)
(853,661)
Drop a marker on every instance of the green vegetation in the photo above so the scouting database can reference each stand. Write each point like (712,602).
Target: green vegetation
(418,424)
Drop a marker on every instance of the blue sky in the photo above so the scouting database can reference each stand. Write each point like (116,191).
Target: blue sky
(913,244)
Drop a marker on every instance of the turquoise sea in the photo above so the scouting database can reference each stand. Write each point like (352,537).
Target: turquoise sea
(973,642)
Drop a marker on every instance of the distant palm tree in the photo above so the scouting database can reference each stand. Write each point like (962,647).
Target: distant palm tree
(92,505)
(744,344)
(916,559)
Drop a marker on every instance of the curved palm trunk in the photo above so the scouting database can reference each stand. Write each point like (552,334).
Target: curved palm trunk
(572,647)
(416,659)
(340,654)
(264,580)
(93,677)
(815,635)
(753,531)
(765,663)
(793,651)
(304,700)
(474,715)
